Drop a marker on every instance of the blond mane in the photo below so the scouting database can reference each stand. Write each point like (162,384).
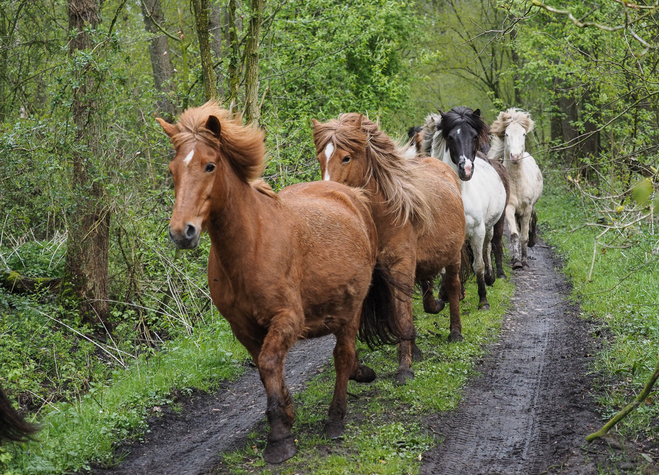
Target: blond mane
(401,181)
(499,126)
(241,145)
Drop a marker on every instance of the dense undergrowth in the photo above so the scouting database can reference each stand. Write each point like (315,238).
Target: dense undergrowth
(617,288)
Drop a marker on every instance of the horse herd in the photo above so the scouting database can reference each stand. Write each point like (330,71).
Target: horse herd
(341,256)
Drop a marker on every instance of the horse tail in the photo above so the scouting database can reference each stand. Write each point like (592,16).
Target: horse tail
(12,425)
(533,231)
(379,319)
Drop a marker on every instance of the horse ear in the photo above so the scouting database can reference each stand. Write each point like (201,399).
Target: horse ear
(477,112)
(315,123)
(213,124)
(170,129)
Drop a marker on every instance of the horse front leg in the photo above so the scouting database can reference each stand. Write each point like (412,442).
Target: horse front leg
(511,221)
(524,235)
(490,277)
(345,359)
(284,330)
(451,284)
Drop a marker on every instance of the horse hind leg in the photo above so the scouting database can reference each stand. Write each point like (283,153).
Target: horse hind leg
(281,336)
(511,221)
(451,283)
(479,269)
(430,303)
(497,246)
(345,359)
(533,229)
(524,234)
(490,277)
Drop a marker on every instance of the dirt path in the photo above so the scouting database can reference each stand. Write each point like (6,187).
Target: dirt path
(530,410)
(193,442)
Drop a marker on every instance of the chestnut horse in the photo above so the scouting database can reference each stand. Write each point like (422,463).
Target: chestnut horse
(417,211)
(509,145)
(281,267)
(12,425)
(455,138)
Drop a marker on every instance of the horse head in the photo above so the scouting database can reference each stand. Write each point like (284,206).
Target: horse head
(464,131)
(204,152)
(341,150)
(511,127)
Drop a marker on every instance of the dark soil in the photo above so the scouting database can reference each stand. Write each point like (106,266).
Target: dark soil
(527,413)
(531,408)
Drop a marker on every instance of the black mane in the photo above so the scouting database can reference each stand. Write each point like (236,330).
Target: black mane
(465,116)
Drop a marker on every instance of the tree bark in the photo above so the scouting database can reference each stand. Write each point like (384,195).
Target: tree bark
(89,223)
(252,109)
(234,58)
(202,12)
(161,63)
(216,42)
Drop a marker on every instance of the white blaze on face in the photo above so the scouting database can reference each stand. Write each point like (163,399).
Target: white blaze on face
(329,150)
(468,165)
(459,130)
(188,158)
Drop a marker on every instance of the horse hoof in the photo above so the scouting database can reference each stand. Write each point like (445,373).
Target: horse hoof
(433,306)
(517,264)
(334,429)
(363,374)
(279,451)
(402,376)
(490,279)
(417,354)
(502,275)
(483,306)
(455,336)
(525,265)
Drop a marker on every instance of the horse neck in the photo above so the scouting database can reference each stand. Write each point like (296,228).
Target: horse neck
(234,226)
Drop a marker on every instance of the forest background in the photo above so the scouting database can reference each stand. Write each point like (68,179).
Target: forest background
(91,285)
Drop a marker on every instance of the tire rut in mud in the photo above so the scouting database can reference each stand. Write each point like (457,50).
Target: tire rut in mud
(531,408)
(194,441)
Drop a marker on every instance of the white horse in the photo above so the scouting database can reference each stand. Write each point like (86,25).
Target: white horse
(508,145)
(454,138)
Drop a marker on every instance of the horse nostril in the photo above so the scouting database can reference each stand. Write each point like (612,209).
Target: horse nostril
(190,231)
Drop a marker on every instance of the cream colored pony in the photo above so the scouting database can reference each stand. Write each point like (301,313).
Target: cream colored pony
(508,145)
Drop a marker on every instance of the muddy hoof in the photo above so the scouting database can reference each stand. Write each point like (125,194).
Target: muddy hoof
(334,429)
(455,336)
(490,279)
(483,306)
(280,450)
(501,275)
(363,374)
(417,354)
(517,264)
(403,376)
(433,305)
(525,265)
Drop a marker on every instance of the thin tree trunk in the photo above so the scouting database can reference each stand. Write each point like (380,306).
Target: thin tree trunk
(161,63)
(252,109)
(216,42)
(202,11)
(89,223)
(234,59)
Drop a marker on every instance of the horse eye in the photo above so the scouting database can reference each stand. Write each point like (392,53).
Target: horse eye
(346,159)
(210,167)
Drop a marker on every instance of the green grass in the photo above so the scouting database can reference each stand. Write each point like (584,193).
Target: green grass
(87,429)
(384,433)
(622,298)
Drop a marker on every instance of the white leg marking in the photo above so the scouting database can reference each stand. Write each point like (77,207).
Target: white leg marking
(329,150)
(187,159)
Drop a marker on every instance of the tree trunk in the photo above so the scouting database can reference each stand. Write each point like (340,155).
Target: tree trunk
(234,59)
(202,11)
(89,223)
(216,42)
(252,109)
(159,51)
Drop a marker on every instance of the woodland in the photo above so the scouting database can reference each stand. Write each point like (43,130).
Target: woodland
(92,291)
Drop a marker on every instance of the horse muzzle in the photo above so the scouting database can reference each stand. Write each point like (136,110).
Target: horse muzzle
(187,237)
(466,170)
(516,158)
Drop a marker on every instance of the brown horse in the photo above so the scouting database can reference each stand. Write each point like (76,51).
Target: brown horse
(417,210)
(12,425)
(281,267)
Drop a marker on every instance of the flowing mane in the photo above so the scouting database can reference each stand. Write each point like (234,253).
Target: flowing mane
(400,180)
(431,136)
(241,145)
(499,126)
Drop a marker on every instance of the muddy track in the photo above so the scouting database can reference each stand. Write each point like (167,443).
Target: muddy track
(530,409)
(211,424)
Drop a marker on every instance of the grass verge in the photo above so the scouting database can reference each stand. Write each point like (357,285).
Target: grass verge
(87,429)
